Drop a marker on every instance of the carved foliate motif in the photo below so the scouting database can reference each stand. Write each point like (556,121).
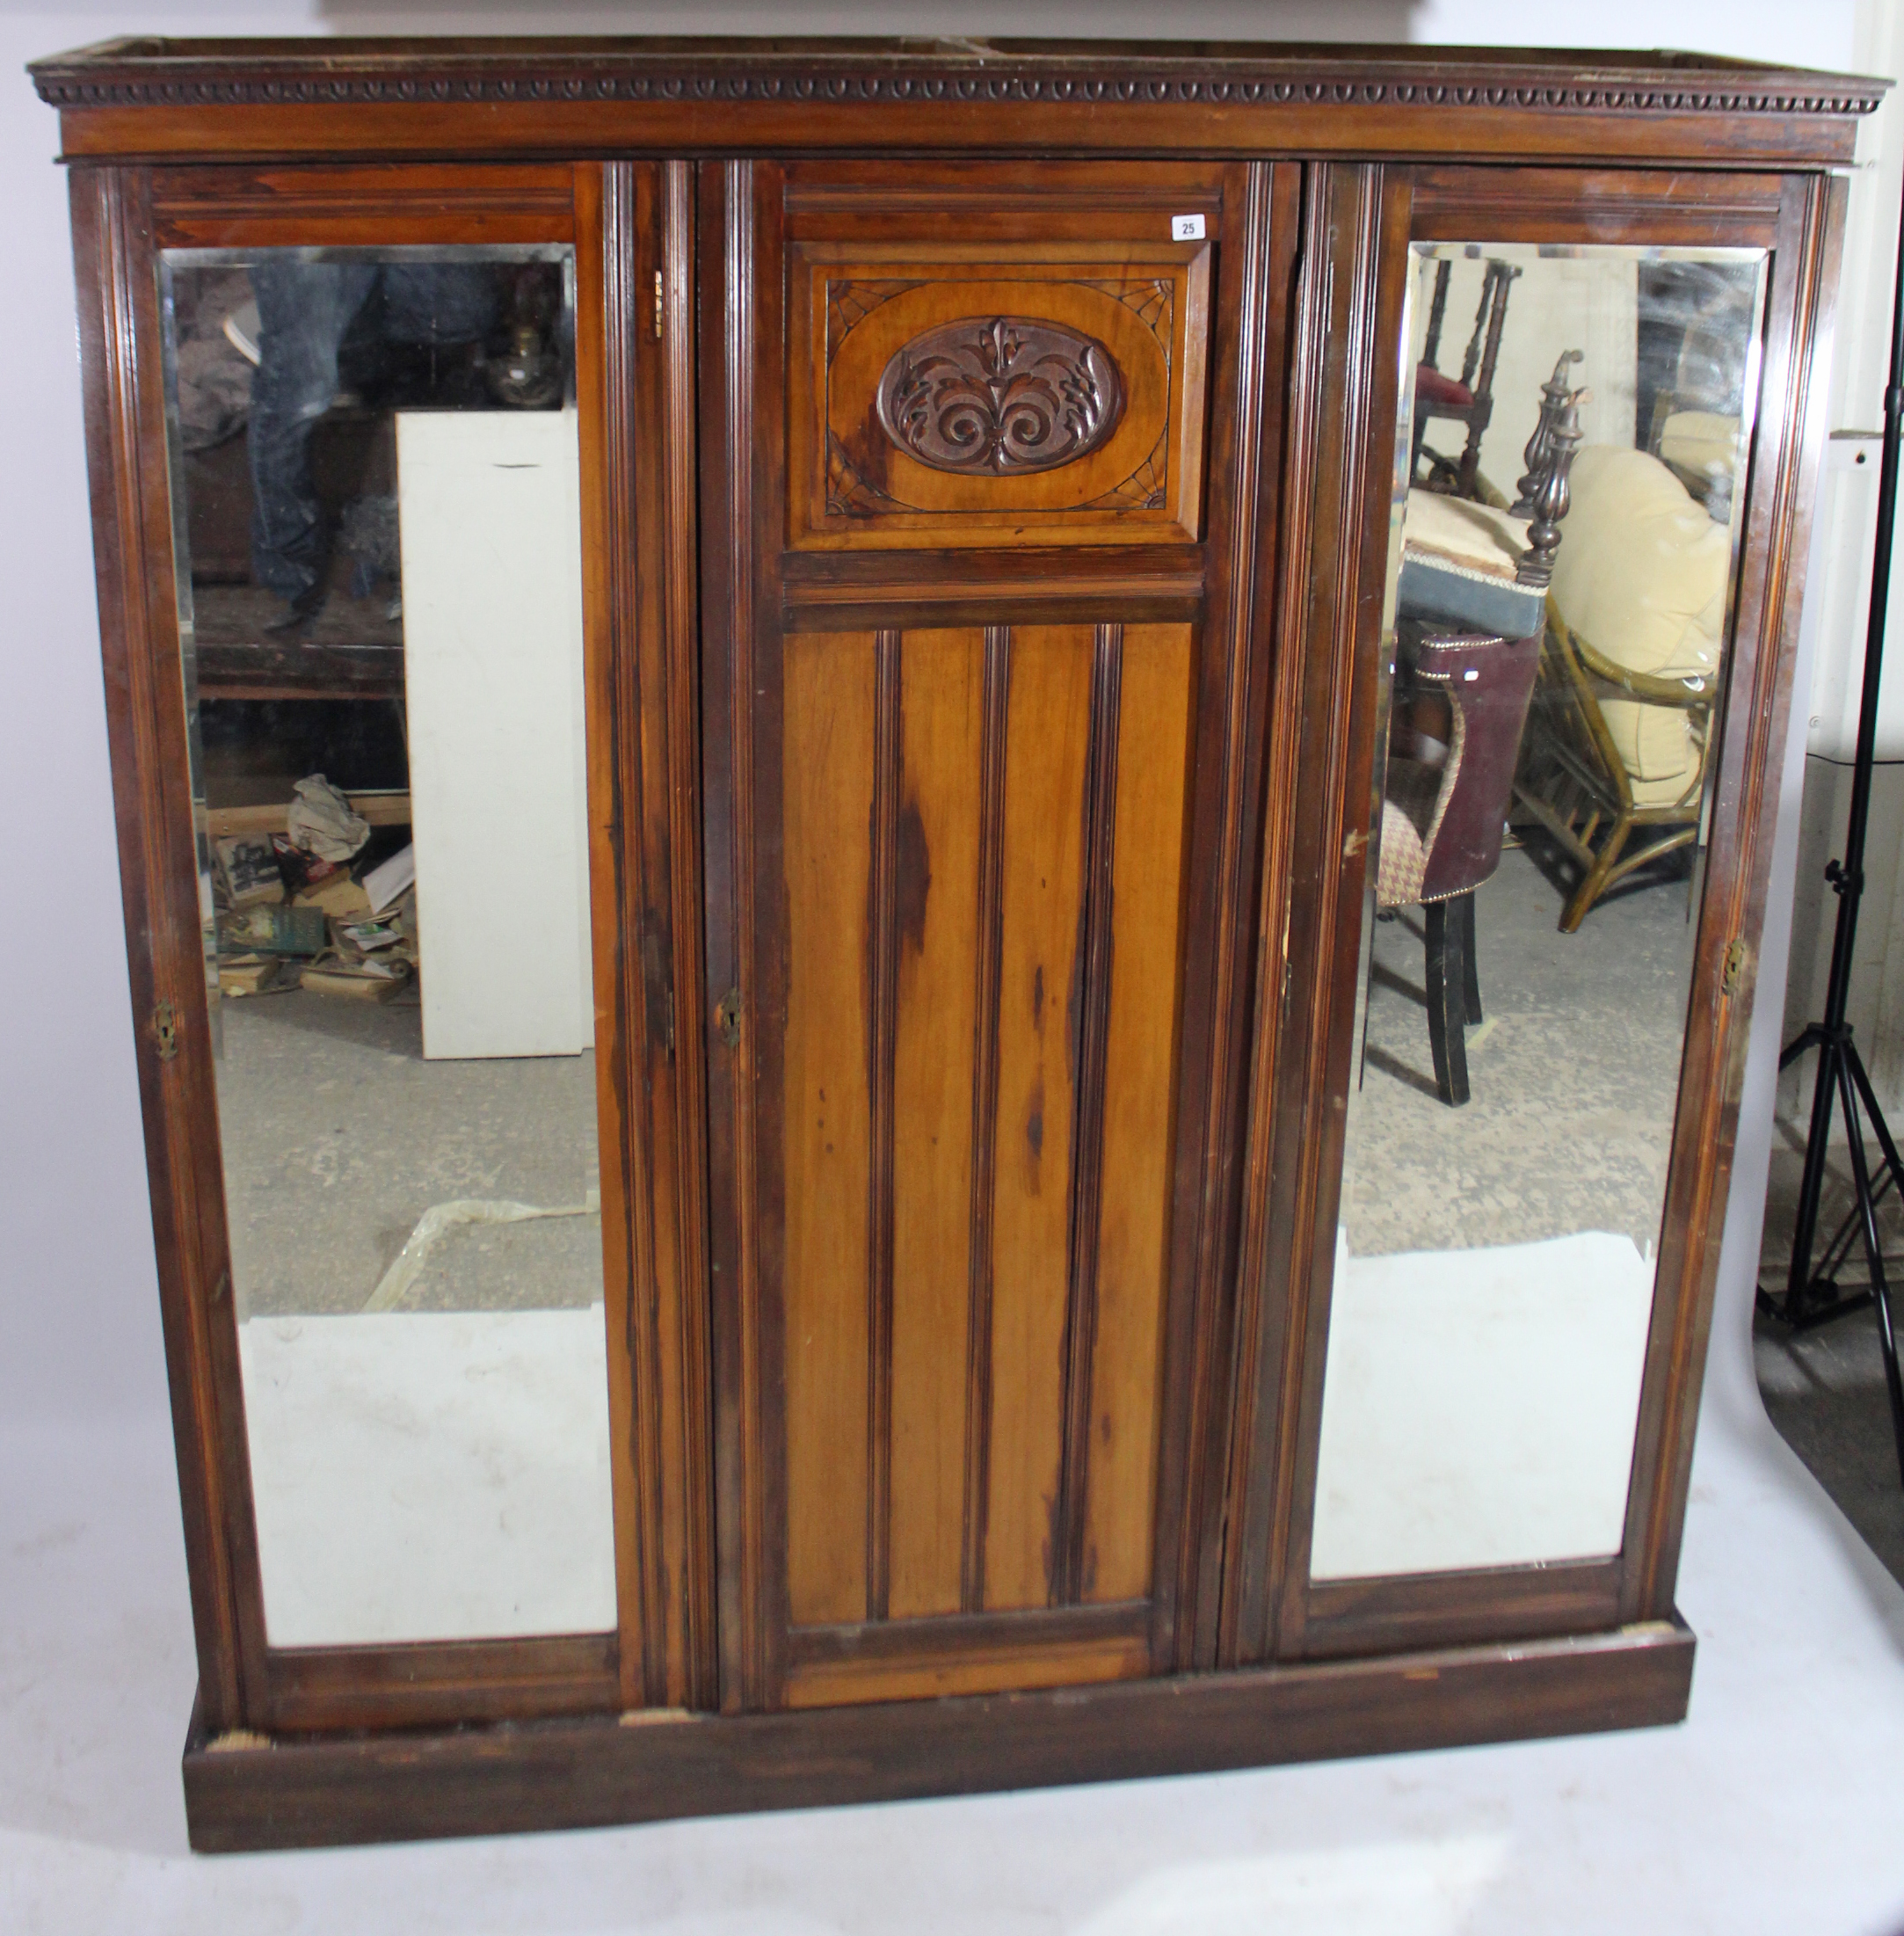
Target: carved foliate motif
(1001,396)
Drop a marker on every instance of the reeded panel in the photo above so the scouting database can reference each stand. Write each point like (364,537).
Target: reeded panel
(983,839)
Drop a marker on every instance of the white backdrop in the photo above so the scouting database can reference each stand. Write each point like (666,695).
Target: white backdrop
(1797,1722)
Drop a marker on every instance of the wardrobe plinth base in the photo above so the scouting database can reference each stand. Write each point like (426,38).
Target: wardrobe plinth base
(313,1791)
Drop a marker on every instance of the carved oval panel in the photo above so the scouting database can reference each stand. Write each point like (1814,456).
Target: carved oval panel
(1002,395)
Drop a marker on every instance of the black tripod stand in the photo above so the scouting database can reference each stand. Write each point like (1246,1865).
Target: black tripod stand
(1814,1298)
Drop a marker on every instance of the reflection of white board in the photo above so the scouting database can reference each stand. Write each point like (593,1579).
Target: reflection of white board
(490,511)
(1479,1406)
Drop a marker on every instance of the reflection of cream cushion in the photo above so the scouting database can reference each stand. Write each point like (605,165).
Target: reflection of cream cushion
(1641,576)
(1698,441)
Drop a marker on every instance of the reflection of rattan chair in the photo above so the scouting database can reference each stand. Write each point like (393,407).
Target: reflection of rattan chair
(1468,399)
(1614,761)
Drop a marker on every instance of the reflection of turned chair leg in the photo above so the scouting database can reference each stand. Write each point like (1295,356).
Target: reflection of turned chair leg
(1454,992)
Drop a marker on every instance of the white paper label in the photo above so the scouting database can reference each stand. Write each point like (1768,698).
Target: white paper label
(1186,227)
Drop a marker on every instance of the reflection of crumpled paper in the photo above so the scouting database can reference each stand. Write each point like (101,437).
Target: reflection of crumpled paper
(321,822)
(214,391)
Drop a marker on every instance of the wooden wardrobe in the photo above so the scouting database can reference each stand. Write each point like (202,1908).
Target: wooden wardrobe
(993,470)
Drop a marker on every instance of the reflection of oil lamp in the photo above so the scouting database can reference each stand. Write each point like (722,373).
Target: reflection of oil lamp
(526,377)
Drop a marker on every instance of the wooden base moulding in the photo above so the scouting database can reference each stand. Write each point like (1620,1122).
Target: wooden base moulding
(247,1793)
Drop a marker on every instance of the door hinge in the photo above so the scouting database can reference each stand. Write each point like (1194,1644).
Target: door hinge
(658,286)
(1733,972)
(164,1027)
(727,1018)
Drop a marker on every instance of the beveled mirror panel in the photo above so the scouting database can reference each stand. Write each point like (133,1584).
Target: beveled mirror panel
(376,510)
(1570,465)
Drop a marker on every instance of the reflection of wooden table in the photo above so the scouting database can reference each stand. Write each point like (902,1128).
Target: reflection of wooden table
(352,651)
(294,671)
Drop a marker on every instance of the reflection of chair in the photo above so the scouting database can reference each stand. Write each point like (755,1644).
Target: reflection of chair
(1468,400)
(1473,595)
(1441,823)
(1619,732)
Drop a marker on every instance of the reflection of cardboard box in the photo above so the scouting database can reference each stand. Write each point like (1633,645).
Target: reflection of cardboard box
(252,975)
(250,868)
(370,980)
(339,897)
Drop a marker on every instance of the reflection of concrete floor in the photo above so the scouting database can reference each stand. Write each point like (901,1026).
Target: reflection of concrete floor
(337,1136)
(1825,1389)
(1574,1075)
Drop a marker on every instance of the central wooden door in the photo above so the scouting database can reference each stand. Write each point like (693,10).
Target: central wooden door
(984,452)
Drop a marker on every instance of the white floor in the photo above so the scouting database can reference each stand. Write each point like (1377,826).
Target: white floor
(1778,1808)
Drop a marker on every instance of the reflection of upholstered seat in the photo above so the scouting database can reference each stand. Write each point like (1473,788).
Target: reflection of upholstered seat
(1459,562)
(1443,821)
(1619,733)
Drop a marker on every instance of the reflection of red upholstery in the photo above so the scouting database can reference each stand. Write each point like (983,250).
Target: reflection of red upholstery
(1442,826)
(1431,388)
(1441,829)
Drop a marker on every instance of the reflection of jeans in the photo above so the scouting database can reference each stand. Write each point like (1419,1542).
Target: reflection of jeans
(306,310)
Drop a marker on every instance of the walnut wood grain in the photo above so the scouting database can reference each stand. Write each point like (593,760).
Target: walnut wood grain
(1129,1275)
(935,1062)
(151,96)
(305,207)
(1101,313)
(1097,935)
(692,1659)
(1346,570)
(613,620)
(474,1781)
(987,954)
(1260,206)
(831,741)
(882,1047)
(1787,446)
(125,452)
(1041,911)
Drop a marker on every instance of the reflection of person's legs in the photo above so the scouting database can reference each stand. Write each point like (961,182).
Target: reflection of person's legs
(440,303)
(304,309)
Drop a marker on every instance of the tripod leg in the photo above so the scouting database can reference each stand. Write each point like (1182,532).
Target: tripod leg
(1880,1291)
(1799,1278)
(1807,1038)
(1874,1116)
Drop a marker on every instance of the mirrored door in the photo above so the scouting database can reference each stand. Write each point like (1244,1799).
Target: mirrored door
(373,468)
(1570,462)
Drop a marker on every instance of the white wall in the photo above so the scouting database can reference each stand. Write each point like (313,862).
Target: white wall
(79,1315)
(1554,305)
(1841,595)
